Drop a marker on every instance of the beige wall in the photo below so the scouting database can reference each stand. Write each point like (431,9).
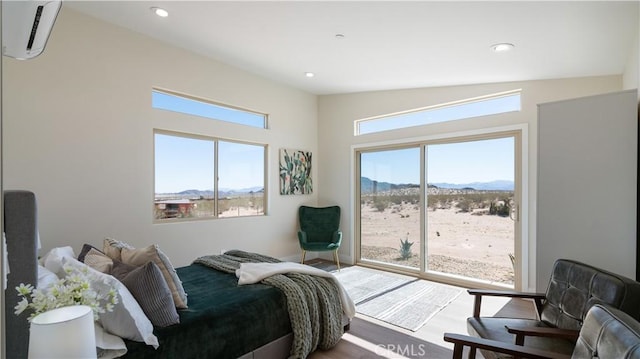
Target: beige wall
(78,131)
(580,179)
(336,114)
(631,75)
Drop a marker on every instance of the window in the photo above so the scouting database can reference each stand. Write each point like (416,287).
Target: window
(240,179)
(186,168)
(482,106)
(190,105)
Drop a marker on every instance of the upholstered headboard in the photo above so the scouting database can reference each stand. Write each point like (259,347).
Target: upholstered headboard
(21,231)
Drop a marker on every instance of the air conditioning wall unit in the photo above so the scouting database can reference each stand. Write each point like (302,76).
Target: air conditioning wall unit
(26,25)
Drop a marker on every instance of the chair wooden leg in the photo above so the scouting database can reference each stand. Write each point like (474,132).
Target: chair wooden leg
(303,254)
(457,351)
(335,256)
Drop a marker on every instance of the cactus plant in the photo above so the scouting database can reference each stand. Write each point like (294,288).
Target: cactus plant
(405,248)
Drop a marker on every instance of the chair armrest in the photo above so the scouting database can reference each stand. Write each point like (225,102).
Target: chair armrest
(522,332)
(337,237)
(460,341)
(302,238)
(506,293)
(479,293)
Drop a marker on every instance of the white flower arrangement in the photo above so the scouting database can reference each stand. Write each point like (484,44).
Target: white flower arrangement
(74,289)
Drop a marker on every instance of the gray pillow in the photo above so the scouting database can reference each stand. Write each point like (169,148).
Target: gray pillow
(149,288)
(140,256)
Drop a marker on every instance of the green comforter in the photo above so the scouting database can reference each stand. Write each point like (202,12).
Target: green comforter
(223,320)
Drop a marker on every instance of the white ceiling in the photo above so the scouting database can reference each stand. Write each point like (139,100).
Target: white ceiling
(391,45)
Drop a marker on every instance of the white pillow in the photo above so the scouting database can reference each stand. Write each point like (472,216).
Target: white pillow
(53,259)
(108,346)
(127,320)
(45,277)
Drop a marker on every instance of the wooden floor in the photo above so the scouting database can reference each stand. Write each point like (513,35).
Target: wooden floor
(371,338)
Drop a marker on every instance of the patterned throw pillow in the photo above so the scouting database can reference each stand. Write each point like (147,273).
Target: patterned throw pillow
(150,289)
(98,261)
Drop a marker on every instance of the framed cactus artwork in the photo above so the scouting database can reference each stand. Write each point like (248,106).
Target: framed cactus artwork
(295,172)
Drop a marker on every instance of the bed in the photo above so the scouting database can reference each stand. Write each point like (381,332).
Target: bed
(223,319)
(261,305)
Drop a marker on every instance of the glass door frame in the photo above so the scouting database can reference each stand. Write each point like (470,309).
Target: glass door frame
(524,256)
(357,209)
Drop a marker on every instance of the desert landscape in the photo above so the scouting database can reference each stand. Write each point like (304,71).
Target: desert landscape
(463,238)
(469,231)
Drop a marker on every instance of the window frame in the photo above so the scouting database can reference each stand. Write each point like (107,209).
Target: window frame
(524,241)
(208,102)
(215,141)
(459,103)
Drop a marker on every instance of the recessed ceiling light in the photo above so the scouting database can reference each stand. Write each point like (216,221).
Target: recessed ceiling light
(160,11)
(339,36)
(309,74)
(502,47)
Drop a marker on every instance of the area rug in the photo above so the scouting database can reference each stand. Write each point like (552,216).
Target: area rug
(400,300)
(364,284)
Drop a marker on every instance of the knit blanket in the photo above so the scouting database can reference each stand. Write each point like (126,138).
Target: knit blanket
(314,303)
(250,273)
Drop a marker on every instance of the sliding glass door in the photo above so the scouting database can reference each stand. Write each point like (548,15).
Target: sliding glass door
(390,206)
(470,230)
(445,208)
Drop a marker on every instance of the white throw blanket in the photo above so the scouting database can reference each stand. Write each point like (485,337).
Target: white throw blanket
(250,273)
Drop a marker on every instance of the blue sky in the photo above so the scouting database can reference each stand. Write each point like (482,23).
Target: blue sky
(175,103)
(454,112)
(183,163)
(464,162)
(188,163)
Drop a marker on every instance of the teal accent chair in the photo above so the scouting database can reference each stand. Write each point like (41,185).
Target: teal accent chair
(320,230)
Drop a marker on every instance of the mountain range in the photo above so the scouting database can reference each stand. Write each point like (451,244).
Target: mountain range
(366,185)
(224,192)
(497,185)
